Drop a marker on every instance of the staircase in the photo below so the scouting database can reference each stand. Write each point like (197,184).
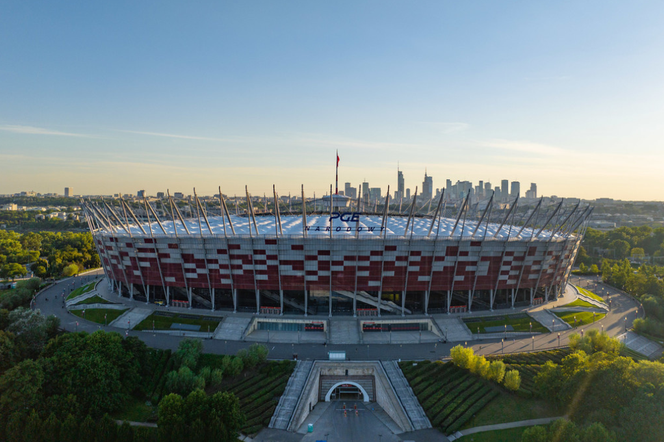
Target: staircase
(366,382)
(344,331)
(232,329)
(288,401)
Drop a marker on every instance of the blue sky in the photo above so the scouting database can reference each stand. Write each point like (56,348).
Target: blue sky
(111,97)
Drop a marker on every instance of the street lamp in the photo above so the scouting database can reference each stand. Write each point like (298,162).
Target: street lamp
(581,333)
(531,327)
(625,324)
(558,339)
(533,343)
(502,342)
(553,324)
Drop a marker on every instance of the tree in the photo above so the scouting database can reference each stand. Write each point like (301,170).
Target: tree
(534,434)
(564,430)
(462,357)
(15,426)
(496,371)
(12,270)
(51,429)
(216,377)
(70,270)
(183,381)
(235,367)
(188,352)
(20,387)
(87,430)
(594,341)
(480,366)
(33,428)
(125,432)
(594,269)
(583,268)
(596,432)
(69,430)
(512,380)
(29,329)
(7,352)
(170,416)
(107,429)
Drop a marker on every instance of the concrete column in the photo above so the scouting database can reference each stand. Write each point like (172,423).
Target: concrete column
(131,292)
(306,303)
(234,300)
(470,301)
(492,295)
(258,301)
(403,303)
(147,294)
(449,301)
(168,295)
(281,302)
(426,302)
(212,297)
(531,297)
(189,296)
(513,297)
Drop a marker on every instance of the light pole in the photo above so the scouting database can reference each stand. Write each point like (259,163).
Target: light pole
(531,327)
(581,333)
(105,323)
(558,339)
(625,324)
(505,331)
(502,343)
(76,326)
(533,343)
(553,325)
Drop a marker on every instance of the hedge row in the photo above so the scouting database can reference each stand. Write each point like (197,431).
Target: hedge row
(463,404)
(471,411)
(536,358)
(456,400)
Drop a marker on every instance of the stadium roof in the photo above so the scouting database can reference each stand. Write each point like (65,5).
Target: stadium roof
(318,226)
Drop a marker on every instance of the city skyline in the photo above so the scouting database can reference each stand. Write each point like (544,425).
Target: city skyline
(565,95)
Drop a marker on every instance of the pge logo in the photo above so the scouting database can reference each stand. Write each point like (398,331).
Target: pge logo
(346,216)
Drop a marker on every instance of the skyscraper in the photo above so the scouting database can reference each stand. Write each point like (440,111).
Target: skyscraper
(516,189)
(427,187)
(504,189)
(400,184)
(67,192)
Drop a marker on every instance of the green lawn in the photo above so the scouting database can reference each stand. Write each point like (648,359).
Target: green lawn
(511,408)
(96,299)
(582,318)
(519,322)
(164,322)
(580,303)
(510,435)
(79,291)
(136,411)
(97,314)
(590,294)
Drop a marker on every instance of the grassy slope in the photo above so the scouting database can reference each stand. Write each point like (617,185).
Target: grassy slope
(590,294)
(520,323)
(97,314)
(511,408)
(81,290)
(582,318)
(510,435)
(164,323)
(96,299)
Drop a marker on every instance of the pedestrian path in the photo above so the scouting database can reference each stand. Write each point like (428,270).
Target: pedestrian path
(641,344)
(232,328)
(83,297)
(592,301)
(505,426)
(94,306)
(131,318)
(552,322)
(344,331)
(288,401)
(454,329)
(406,396)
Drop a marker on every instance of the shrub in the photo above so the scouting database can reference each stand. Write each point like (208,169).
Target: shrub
(216,377)
(462,357)
(496,371)
(512,380)
(235,367)
(480,366)
(188,353)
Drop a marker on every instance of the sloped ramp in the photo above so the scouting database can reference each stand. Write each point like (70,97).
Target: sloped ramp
(409,402)
(288,401)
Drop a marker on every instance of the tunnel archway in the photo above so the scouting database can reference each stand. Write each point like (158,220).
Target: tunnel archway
(365,395)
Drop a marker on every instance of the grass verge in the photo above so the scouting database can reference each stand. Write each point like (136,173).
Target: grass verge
(96,299)
(97,314)
(519,323)
(511,408)
(580,303)
(137,411)
(582,318)
(590,294)
(163,322)
(81,290)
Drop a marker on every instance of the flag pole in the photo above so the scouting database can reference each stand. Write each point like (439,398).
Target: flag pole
(336,190)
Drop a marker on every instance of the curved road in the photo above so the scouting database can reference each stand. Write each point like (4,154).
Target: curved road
(622,306)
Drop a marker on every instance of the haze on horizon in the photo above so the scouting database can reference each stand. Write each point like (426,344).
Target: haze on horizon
(110,97)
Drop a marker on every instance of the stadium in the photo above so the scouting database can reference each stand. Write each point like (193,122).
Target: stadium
(340,261)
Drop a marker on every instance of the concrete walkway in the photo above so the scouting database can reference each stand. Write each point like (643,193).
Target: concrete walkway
(131,318)
(549,320)
(288,401)
(96,306)
(505,426)
(454,329)
(232,329)
(344,330)
(406,396)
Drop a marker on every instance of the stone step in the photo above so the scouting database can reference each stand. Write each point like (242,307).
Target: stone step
(232,328)
(552,322)
(454,329)
(344,331)
(131,318)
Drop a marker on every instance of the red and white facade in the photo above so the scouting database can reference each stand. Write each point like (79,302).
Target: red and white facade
(402,266)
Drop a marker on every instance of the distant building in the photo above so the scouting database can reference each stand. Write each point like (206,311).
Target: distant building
(178,195)
(407,194)
(516,189)
(532,192)
(68,192)
(350,191)
(140,194)
(427,187)
(160,194)
(400,185)
(10,206)
(504,189)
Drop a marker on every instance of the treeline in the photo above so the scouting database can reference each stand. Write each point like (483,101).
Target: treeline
(25,220)
(646,283)
(50,254)
(606,396)
(623,242)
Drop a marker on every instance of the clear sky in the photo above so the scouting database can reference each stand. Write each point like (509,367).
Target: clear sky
(117,96)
